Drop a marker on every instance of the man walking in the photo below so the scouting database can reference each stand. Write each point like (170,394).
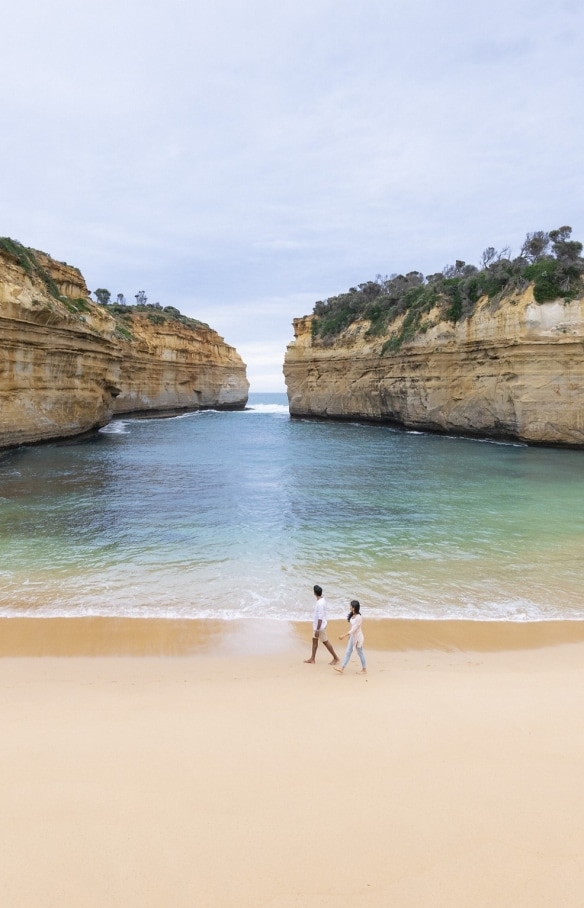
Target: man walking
(319,623)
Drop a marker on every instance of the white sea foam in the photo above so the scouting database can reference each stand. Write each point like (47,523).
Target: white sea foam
(479,440)
(116,427)
(253,605)
(237,615)
(279,409)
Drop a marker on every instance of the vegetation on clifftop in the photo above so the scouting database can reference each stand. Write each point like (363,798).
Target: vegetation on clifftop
(552,262)
(155,313)
(28,260)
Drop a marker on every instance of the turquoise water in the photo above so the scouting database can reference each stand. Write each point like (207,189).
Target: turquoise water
(229,514)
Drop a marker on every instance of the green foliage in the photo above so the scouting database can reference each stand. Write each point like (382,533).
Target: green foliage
(565,250)
(27,260)
(123,333)
(76,305)
(535,245)
(123,311)
(332,324)
(123,314)
(102,296)
(553,279)
(154,312)
(410,326)
(21,255)
(454,292)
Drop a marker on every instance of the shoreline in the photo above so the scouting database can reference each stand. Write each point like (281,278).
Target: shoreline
(104,636)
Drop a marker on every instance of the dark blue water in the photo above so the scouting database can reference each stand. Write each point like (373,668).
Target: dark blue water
(224,514)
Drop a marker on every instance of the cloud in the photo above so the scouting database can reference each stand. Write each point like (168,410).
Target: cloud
(244,160)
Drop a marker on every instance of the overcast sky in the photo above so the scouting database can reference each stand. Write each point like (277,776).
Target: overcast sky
(241,160)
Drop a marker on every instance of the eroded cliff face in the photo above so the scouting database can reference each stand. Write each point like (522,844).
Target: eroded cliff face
(173,366)
(67,364)
(512,371)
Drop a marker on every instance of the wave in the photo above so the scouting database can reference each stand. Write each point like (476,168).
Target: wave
(116,427)
(258,607)
(278,409)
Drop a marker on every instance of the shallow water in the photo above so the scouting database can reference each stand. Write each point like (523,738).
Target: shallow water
(228,514)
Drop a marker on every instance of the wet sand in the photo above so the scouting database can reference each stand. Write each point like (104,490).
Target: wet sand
(219,770)
(159,637)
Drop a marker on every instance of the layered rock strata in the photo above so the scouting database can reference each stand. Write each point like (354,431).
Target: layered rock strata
(174,366)
(514,370)
(68,364)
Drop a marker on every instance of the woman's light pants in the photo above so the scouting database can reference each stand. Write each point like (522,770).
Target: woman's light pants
(360,653)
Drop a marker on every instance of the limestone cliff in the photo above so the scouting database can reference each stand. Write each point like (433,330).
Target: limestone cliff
(68,364)
(171,365)
(514,370)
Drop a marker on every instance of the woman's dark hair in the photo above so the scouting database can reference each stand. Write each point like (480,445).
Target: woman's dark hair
(355,609)
(317,589)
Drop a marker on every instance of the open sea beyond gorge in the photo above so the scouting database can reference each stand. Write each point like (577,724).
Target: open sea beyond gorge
(228,515)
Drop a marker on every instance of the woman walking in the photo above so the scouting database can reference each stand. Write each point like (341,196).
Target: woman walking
(356,638)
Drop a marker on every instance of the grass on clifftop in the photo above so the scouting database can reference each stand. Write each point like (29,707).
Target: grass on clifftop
(157,314)
(27,259)
(29,263)
(552,262)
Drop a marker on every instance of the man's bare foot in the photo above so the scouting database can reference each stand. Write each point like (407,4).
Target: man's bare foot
(340,670)
(334,662)
(362,672)
(309,661)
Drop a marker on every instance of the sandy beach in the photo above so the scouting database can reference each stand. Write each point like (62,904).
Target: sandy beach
(155,765)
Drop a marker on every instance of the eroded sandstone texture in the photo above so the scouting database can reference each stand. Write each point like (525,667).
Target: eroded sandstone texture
(67,364)
(511,371)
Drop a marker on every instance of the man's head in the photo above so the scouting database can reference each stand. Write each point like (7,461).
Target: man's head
(317,591)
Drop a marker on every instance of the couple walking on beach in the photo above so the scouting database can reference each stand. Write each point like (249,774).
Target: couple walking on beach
(355,633)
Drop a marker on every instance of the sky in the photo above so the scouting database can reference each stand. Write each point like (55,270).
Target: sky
(242,160)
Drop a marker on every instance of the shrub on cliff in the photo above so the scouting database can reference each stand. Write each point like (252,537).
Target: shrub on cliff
(27,259)
(551,261)
(31,263)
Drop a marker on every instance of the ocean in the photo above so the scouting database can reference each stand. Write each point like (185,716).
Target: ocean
(226,515)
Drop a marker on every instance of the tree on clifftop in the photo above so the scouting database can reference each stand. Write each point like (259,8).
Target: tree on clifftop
(535,246)
(102,296)
(565,249)
(398,306)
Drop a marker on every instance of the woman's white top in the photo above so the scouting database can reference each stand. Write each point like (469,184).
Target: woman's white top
(356,631)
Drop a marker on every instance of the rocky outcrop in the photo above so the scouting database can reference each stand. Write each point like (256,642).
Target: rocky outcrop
(171,365)
(514,370)
(68,364)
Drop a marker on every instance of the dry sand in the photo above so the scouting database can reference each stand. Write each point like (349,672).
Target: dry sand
(235,775)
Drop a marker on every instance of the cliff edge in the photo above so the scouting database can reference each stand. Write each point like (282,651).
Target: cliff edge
(506,365)
(68,364)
